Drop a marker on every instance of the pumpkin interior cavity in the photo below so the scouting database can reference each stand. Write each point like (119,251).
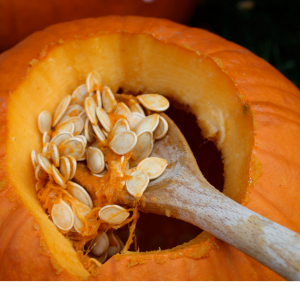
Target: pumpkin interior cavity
(137,63)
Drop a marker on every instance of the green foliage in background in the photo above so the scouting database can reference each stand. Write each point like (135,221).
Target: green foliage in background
(270,29)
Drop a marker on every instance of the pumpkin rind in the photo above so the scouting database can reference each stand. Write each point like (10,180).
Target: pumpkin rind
(274,170)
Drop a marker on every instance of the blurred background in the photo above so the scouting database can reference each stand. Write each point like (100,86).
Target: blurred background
(269,28)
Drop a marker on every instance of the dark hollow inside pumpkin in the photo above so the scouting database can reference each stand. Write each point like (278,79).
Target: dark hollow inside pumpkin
(156,232)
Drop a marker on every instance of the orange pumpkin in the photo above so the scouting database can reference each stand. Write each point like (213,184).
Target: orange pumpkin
(21,18)
(248,108)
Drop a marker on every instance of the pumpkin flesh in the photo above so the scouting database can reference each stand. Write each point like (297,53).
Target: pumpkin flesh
(149,62)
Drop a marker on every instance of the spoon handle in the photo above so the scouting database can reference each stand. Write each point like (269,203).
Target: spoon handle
(273,245)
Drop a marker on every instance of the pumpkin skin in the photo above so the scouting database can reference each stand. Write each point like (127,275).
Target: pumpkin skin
(20,19)
(32,249)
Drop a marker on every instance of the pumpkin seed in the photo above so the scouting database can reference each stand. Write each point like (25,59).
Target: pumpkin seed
(113,214)
(95,160)
(44,163)
(73,165)
(154,102)
(73,111)
(93,82)
(83,139)
(144,155)
(149,123)
(79,193)
(44,121)
(103,118)
(60,110)
(114,245)
(90,109)
(54,154)
(100,135)
(46,148)
(122,109)
(79,95)
(78,124)
(72,146)
(135,107)
(123,142)
(153,166)
(120,126)
(161,129)
(134,118)
(47,136)
(58,178)
(65,127)
(108,100)
(40,184)
(40,174)
(88,131)
(144,139)
(100,244)
(34,159)
(102,258)
(65,168)
(83,210)
(60,137)
(62,216)
(97,98)
(102,174)
(137,184)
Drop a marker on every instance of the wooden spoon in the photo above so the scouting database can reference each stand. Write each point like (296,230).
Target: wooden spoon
(182,192)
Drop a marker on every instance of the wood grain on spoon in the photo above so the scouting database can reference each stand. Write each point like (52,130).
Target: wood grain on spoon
(182,192)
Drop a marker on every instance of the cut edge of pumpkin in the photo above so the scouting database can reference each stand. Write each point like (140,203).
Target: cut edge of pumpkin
(39,213)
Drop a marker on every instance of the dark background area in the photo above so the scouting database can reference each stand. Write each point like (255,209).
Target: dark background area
(269,28)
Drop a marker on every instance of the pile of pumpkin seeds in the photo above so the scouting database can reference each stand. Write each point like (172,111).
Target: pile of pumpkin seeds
(79,122)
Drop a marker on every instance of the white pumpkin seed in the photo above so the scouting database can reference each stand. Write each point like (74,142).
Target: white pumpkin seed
(121,125)
(73,111)
(60,137)
(144,155)
(34,159)
(44,121)
(58,178)
(161,129)
(54,154)
(102,174)
(95,160)
(90,109)
(83,210)
(79,193)
(100,244)
(82,138)
(93,82)
(72,146)
(103,118)
(113,214)
(47,136)
(60,110)
(123,142)
(40,184)
(108,100)
(40,174)
(97,98)
(62,215)
(65,168)
(79,95)
(100,135)
(133,119)
(46,148)
(154,102)
(144,139)
(65,127)
(78,124)
(149,123)
(44,163)
(88,131)
(153,166)
(122,109)
(137,184)
(73,165)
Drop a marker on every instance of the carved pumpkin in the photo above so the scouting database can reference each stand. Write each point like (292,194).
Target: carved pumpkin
(244,105)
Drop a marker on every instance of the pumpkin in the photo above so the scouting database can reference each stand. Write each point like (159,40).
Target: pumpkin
(249,109)
(19,18)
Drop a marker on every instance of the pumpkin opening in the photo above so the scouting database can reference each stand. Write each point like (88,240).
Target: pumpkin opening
(137,63)
(166,233)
